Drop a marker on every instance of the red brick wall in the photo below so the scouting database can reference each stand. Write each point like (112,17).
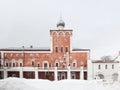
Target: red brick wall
(60,38)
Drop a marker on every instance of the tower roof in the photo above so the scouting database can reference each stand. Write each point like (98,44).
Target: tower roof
(60,24)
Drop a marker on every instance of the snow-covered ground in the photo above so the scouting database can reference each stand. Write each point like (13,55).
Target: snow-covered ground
(33,84)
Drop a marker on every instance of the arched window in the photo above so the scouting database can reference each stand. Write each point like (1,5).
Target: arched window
(66,49)
(45,65)
(101,76)
(61,49)
(56,64)
(74,63)
(105,66)
(6,64)
(38,64)
(99,67)
(56,49)
(20,64)
(13,64)
(112,66)
(32,63)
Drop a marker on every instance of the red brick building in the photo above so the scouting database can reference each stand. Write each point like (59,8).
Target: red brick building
(55,63)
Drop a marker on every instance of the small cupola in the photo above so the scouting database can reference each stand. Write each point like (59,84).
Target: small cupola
(60,24)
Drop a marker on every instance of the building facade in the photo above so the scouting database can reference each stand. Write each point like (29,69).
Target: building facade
(108,70)
(60,61)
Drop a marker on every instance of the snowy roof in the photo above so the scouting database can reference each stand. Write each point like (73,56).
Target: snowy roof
(104,61)
(26,49)
(78,49)
(117,58)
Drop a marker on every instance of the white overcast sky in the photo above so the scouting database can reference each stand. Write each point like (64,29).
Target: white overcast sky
(95,23)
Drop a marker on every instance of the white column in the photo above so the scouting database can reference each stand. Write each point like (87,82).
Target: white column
(21,73)
(55,74)
(81,73)
(36,74)
(90,70)
(68,73)
(5,74)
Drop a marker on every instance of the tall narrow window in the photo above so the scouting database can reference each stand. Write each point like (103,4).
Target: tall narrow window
(6,64)
(56,49)
(50,64)
(13,64)
(66,49)
(56,64)
(99,67)
(32,63)
(20,64)
(61,49)
(112,66)
(45,65)
(74,64)
(38,65)
(105,66)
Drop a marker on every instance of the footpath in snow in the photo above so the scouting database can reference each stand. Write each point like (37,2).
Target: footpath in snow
(38,84)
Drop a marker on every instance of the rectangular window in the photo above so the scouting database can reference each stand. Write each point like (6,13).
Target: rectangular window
(56,49)
(61,49)
(13,64)
(66,49)
(112,66)
(105,66)
(99,67)
(32,63)
(20,64)
(38,65)
(56,65)
(6,64)
(45,65)
(74,65)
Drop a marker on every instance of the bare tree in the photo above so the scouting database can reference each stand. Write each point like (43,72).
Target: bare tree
(106,58)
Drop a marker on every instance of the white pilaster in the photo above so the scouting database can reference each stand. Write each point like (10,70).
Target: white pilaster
(90,70)
(2,58)
(55,74)
(5,74)
(81,73)
(68,73)
(36,74)
(21,73)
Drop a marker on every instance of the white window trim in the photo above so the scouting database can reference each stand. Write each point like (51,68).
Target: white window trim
(74,61)
(44,63)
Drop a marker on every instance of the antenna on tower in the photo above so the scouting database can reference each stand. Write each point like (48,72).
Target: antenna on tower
(60,15)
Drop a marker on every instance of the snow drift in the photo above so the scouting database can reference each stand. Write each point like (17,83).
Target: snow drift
(38,84)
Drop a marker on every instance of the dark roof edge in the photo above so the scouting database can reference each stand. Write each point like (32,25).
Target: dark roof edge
(80,49)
